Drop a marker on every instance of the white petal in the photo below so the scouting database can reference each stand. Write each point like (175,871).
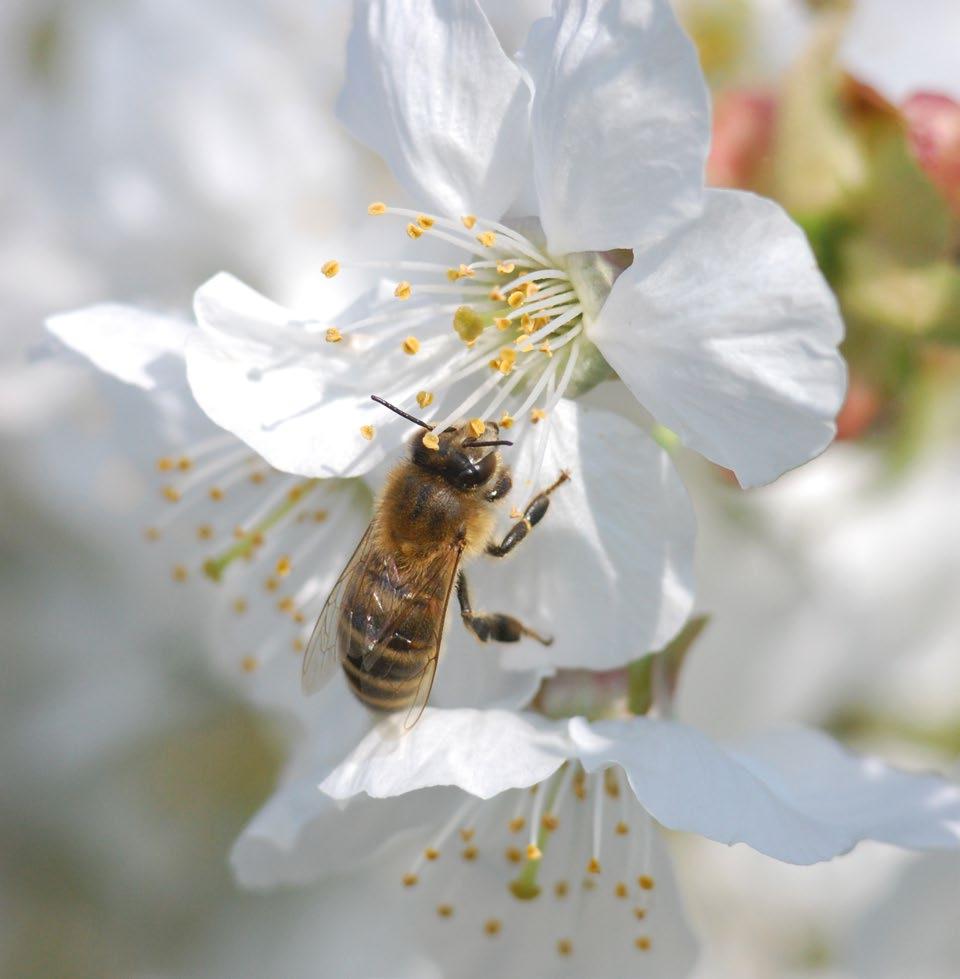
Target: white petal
(608,571)
(728,333)
(256,372)
(482,752)
(132,345)
(796,796)
(901,49)
(302,834)
(620,123)
(430,89)
(471,674)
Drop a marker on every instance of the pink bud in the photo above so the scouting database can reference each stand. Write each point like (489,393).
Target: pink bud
(933,128)
(743,128)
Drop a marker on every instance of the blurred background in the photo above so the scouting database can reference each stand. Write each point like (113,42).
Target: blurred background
(147,144)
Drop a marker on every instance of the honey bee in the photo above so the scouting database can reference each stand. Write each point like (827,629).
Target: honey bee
(383,621)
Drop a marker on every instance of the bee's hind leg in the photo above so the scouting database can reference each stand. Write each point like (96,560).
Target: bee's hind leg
(533,514)
(492,625)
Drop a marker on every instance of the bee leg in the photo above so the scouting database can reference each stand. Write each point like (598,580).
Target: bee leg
(533,514)
(492,625)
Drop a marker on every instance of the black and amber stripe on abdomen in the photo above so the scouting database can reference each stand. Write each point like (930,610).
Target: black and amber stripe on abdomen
(391,678)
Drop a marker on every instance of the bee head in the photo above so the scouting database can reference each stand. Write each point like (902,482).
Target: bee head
(465,456)
(465,459)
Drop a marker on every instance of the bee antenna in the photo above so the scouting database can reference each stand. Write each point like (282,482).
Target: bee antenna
(401,412)
(474,445)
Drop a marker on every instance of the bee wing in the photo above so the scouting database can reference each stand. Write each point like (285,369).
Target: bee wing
(448,566)
(320,660)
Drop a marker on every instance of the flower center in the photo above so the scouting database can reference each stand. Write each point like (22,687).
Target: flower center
(235,520)
(571,839)
(500,333)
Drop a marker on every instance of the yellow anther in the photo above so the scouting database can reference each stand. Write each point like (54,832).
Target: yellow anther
(593,866)
(506,421)
(533,852)
(639,913)
(431,441)
(530,288)
(466,834)
(501,323)
(549,822)
(271,584)
(216,494)
(526,323)
(409,880)
(403,290)
(240,605)
(540,322)
(453,274)
(152,533)
(286,605)
(258,477)
(469,220)
(331,268)
(377,207)
(560,888)
(504,363)
(171,493)
(622,828)
(495,295)
(431,854)
(646,882)
(425,221)
(513,854)
(643,943)
(204,532)
(333,335)
(467,323)
(621,890)
(588,884)
(424,398)
(183,464)
(465,272)
(492,927)
(517,824)
(515,298)
(165,464)
(410,346)
(505,268)
(299,618)
(179,572)
(469,853)
(299,645)
(294,493)
(284,566)
(544,348)
(319,516)
(248,664)
(487,238)
(445,910)
(477,426)
(523,344)
(367,432)
(537,415)
(414,230)
(565,946)
(515,513)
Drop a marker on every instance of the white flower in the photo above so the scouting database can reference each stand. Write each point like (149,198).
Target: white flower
(901,50)
(600,900)
(566,234)
(557,839)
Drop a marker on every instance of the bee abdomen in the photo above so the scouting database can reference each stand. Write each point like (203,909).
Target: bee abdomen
(387,641)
